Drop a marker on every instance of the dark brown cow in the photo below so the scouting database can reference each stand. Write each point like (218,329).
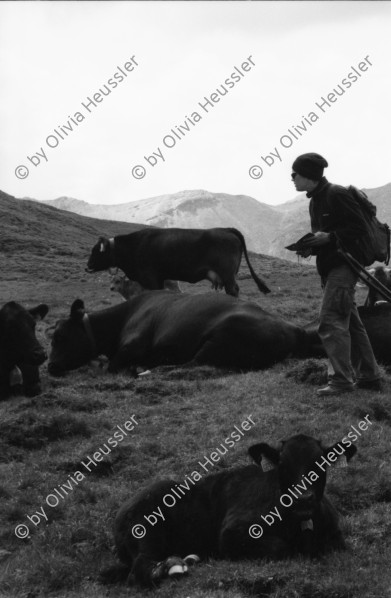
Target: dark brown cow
(152,255)
(161,328)
(377,322)
(383,275)
(275,509)
(20,352)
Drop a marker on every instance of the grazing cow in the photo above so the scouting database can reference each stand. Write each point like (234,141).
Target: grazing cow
(152,255)
(383,275)
(275,509)
(160,328)
(377,322)
(20,352)
(129,288)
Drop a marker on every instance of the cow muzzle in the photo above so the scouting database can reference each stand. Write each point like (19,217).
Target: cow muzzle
(304,507)
(89,270)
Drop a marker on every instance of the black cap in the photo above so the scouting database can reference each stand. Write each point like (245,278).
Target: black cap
(310,166)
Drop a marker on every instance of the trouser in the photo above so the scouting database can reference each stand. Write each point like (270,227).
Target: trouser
(342,333)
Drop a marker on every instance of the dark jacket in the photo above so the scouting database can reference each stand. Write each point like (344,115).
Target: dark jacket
(333,210)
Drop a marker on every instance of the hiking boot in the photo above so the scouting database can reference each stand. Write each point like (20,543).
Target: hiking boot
(331,391)
(376,385)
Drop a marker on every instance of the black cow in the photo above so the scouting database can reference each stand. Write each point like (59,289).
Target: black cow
(20,352)
(377,322)
(152,255)
(383,275)
(228,514)
(161,328)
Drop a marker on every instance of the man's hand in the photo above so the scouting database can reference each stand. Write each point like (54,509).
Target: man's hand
(318,239)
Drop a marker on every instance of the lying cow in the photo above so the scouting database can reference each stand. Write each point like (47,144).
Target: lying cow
(20,352)
(383,275)
(377,322)
(227,515)
(160,328)
(121,284)
(152,255)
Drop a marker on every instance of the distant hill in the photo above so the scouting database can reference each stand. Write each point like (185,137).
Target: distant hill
(47,242)
(44,252)
(267,229)
(189,209)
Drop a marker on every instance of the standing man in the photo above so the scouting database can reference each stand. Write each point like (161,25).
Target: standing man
(336,217)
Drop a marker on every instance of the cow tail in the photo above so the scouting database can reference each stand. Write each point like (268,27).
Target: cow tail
(260,284)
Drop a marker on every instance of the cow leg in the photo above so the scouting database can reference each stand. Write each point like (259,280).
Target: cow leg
(31,381)
(231,288)
(149,572)
(129,355)
(151,282)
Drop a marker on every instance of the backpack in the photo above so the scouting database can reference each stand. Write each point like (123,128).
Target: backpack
(374,245)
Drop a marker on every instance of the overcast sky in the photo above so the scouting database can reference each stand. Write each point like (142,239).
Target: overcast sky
(54,55)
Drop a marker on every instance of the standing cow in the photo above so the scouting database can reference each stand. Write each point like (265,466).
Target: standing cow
(152,255)
(20,352)
(227,515)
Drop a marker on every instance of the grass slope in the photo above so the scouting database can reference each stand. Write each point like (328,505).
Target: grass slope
(182,417)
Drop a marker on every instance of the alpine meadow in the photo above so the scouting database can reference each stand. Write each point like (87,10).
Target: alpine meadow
(161,425)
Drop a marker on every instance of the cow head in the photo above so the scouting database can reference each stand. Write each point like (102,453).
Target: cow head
(18,343)
(100,257)
(72,346)
(302,463)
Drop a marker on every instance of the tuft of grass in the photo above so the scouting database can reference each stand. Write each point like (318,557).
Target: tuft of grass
(32,431)
(310,371)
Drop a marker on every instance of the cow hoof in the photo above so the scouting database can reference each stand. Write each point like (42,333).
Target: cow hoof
(33,391)
(144,373)
(191,560)
(158,572)
(176,567)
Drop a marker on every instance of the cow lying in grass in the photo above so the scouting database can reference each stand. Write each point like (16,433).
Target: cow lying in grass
(160,328)
(247,512)
(383,275)
(377,322)
(20,352)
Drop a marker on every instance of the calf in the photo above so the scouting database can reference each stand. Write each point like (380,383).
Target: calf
(282,497)
(129,288)
(383,275)
(20,352)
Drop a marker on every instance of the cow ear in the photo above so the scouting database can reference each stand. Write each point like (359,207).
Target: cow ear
(77,310)
(344,458)
(39,312)
(264,455)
